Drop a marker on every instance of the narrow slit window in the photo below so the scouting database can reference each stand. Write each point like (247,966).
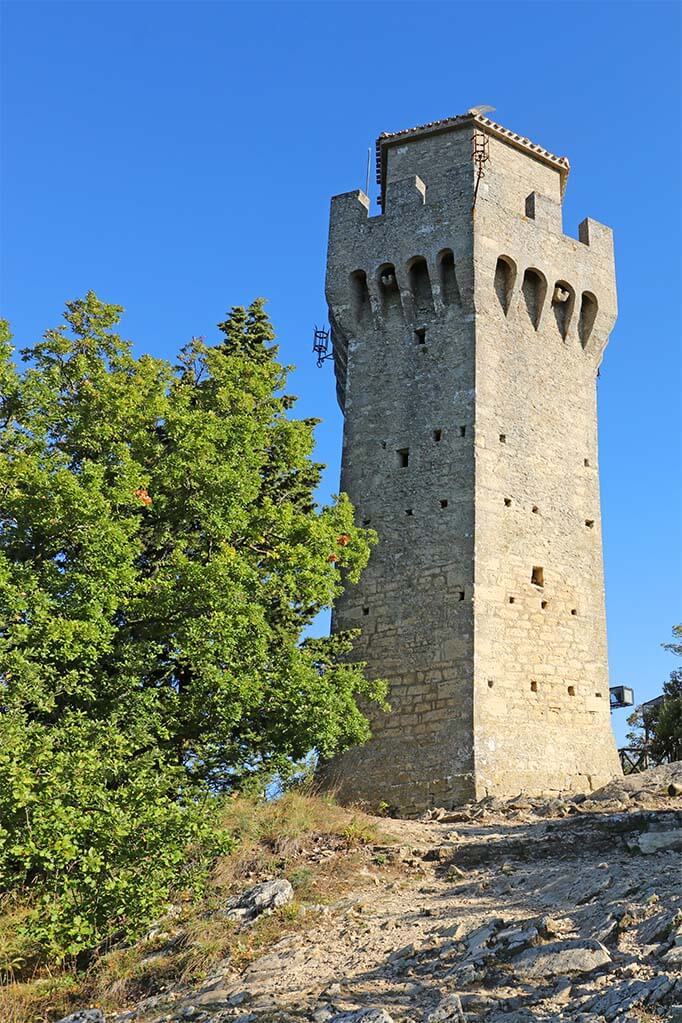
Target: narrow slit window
(537,576)
(533,687)
(462,431)
(571,690)
(543,605)
(460,594)
(403,457)
(437,436)
(503,438)
(586,463)
(409,511)
(365,610)
(420,335)
(444,502)
(490,683)
(507,502)
(512,600)
(589,523)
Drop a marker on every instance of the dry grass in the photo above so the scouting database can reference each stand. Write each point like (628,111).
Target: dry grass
(307,838)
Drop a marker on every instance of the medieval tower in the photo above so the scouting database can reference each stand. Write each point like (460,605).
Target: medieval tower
(468,330)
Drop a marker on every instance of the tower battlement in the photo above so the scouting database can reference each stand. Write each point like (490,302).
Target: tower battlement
(467,334)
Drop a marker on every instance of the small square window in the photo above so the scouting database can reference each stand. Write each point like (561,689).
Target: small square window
(598,695)
(586,463)
(574,612)
(503,438)
(512,600)
(409,511)
(507,502)
(437,435)
(366,521)
(490,683)
(543,605)
(403,457)
(365,610)
(444,503)
(462,431)
(420,335)
(460,594)
(571,690)
(589,523)
(535,509)
(537,576)
(533,687)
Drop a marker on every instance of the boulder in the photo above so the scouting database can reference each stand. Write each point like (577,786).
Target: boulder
(262,898)
(659,841)
(561,958)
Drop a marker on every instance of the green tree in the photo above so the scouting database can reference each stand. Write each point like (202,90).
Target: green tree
(659,728)
(161,553)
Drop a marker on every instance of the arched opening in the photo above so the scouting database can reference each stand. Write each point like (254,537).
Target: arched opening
(449,288)
(505,275)
(534,289)
(360,295)
(563,301)
(389,291)
(420,284)
(588,314)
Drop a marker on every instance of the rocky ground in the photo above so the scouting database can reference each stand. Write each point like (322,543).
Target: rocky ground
(529,910)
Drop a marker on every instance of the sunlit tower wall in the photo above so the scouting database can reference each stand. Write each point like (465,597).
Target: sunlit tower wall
(468,332)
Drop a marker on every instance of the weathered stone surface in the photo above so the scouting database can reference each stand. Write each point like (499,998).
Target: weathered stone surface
(629,994)
(560,958)
(84,1016)
(655,841)
(466,354)
(261,898)
(448,1010)
(364,1016)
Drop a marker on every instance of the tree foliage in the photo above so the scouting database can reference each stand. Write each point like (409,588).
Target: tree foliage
(160,555)
(659,727)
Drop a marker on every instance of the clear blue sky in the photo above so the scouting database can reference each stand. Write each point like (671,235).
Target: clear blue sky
(179,158)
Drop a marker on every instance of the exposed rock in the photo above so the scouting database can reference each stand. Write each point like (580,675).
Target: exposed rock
(656,841)
(561,958)
(673,957)
(448,1009)
(262,898)
(364,1016)
(84,1016)
(629,994)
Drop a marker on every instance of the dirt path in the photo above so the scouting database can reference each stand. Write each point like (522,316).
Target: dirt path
(563,912)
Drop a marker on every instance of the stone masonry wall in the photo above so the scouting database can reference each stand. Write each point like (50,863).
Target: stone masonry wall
(465,441)
(542,718)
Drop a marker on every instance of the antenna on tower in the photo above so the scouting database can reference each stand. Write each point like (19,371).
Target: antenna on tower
(369,164)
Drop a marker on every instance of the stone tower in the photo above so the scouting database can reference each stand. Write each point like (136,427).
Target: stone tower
(468,331)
